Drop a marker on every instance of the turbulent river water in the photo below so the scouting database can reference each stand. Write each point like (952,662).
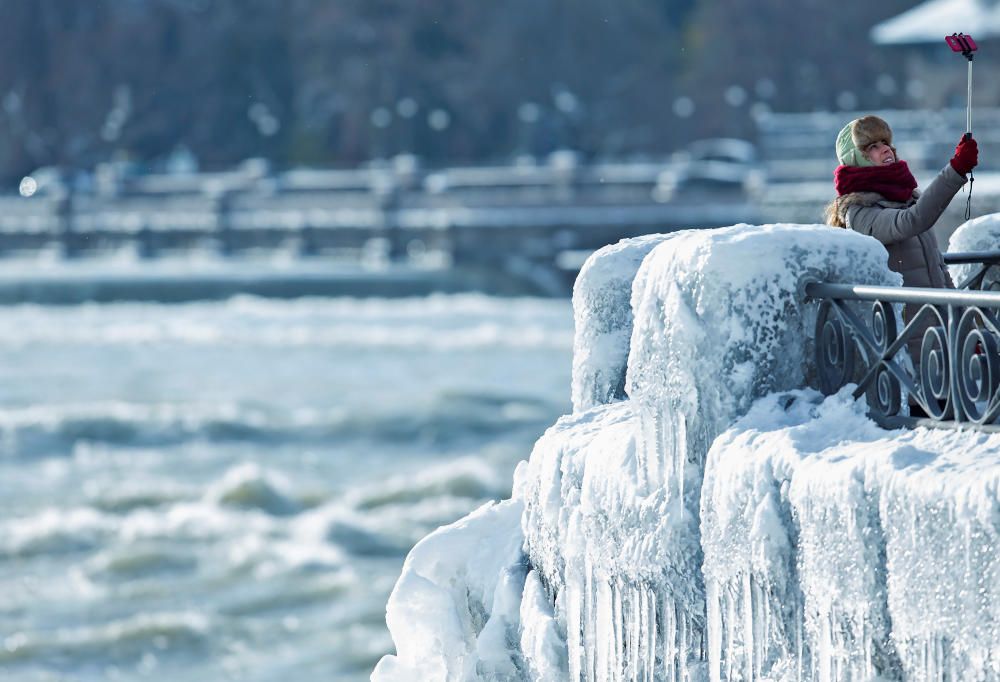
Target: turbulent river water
(227,490)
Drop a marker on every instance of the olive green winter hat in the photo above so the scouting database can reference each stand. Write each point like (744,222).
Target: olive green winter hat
(857,135)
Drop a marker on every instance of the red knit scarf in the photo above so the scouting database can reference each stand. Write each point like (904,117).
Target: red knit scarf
(894,181)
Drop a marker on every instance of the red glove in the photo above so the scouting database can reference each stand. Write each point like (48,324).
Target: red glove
(966,156)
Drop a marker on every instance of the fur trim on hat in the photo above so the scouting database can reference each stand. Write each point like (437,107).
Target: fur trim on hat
(868,129)
(858,134)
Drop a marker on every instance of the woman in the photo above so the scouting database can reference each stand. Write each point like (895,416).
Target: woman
(876,195)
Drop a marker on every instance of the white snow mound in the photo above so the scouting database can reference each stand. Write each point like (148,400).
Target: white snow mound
(978,234)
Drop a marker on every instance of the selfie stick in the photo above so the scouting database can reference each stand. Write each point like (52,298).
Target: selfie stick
(968,99)
(960,42)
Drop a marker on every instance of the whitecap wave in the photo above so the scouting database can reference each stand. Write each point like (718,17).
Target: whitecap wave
(58,429)
(435,323)
(123,639)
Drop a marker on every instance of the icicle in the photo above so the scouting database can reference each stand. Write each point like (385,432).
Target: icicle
(668,637)
(714,609)
(682,652)
(618,625)
(641,650)
(823,648)
(759,632)
(680,450)
(590,623)
(866,642)
(634,632)
(938,657)
(604,631)
(799,660)
(574,625)
(664,446)
(648,452)
(748,626)
(730,645)
(627,653)
(651,635)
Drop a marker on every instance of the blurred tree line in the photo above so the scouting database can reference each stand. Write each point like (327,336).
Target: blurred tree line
(339,82)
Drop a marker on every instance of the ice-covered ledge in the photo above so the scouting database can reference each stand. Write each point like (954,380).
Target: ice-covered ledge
(632,569)
(835,549)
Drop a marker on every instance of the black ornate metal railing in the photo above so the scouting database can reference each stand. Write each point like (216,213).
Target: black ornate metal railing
(979,279)
(940,367)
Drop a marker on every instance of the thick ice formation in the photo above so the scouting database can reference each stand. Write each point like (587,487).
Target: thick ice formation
(978,234)
(582,518)
(454,613)
(602,316)
(837,550)
(810,551)
(612,495)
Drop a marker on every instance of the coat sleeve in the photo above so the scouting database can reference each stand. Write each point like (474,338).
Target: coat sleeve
(892,225)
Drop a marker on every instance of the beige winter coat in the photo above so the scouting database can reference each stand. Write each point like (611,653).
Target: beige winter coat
(904,228)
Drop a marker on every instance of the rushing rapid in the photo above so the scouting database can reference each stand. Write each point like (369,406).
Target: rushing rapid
(228,489)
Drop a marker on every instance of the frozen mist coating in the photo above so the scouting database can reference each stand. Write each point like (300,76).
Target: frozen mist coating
(811,547)
(612,495)
(602,315)
(454,613)
(720,320)
(837,550)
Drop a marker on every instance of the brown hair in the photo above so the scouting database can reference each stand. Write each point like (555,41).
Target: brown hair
(832,214)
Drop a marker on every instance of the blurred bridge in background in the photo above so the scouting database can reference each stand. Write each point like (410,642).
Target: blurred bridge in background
(520,228)
(531,223)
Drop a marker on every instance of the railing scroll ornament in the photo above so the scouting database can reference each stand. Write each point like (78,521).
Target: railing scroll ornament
(943,363)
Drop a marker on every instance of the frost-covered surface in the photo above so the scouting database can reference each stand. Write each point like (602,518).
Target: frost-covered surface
(721,319)
(824,536)
(582,521)
(612,494)
(837,550)
(455,611)
(603,319)
(978,234)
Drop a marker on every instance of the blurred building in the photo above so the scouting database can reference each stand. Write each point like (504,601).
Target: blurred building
(935,74)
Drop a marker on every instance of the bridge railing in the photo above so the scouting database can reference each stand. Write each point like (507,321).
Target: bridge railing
(944,362)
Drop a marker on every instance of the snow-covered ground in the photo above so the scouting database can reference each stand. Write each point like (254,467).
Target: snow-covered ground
(703,514)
